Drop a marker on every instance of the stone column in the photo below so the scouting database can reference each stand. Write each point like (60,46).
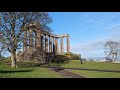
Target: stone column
(46,43)
(35,40)
(56,44)
(30,39)
(25,41)
(50,43)
(61,44)
(38,39)
(42,43)
(68,45)
(53,45)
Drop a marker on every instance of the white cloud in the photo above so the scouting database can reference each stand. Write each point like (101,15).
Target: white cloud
(113,27)
(98,43)
(109,26)
(93,47)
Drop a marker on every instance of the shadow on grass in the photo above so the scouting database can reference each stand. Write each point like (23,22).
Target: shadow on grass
(15,71)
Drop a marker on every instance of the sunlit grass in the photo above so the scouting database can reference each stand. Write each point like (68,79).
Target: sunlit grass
(26,72)
(93,65)
(96,74)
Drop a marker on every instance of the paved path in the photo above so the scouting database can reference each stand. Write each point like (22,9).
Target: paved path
(66,74)
(116,71)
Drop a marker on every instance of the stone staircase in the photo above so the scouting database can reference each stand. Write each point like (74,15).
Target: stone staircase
(37,56)
(40,56)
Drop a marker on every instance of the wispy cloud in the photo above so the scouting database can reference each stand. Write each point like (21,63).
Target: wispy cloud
(93,46)
(112,33)
(113,27)
(101,18)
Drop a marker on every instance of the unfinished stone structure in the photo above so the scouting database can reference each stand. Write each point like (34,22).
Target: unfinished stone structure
(37,45)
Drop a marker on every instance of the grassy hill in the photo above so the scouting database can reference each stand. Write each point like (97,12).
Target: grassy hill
(29,70)
(92,65)
(25,72)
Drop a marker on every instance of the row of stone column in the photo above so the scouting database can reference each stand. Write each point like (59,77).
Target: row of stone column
(30,38)
(48,43)
(62,45)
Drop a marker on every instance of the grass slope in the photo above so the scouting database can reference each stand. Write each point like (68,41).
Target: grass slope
(25,72)
(93,65)
(95,74)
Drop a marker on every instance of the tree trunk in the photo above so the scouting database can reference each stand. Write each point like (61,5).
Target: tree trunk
(116,56)
(13,60)
(112,57)
(0,56)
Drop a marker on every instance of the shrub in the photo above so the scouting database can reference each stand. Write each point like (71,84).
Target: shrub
(73,56)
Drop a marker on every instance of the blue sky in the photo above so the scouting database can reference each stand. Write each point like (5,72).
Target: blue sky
(88,30)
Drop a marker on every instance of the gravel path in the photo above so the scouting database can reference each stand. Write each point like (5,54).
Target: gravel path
(66,74)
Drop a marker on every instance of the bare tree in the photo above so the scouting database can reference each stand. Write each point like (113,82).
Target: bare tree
(1,47)
(1,51)
(112,50)
(13,24)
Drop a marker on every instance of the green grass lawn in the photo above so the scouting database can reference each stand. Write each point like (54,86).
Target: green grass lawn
(93,65)
(26,72)
(95,74)
(90,65)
